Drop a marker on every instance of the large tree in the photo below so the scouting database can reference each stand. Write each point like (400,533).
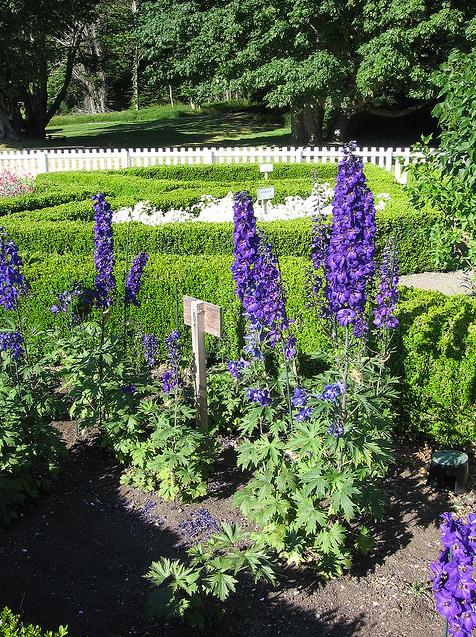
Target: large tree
(324,60)
(38,38)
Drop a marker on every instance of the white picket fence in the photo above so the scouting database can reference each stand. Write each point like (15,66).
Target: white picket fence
(32,162)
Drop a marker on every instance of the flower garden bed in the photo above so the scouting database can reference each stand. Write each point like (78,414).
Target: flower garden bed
(325,370)
(79,555)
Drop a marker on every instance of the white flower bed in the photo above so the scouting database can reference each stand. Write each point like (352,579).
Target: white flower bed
(211,209)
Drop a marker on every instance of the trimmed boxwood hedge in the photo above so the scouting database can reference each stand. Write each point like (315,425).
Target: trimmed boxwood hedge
(436,342)
(58,218)
(290,238)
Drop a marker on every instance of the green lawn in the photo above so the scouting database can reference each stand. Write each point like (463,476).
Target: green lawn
(159,126)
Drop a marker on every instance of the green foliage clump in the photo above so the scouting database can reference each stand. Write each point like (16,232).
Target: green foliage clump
(446,178)
(163,448)
(436,359)
(211,573)
(12,626)
(30,447)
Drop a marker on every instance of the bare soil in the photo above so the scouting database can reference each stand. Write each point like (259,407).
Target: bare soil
(78,557)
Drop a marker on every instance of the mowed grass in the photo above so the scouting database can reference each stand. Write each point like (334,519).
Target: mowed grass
(159,126)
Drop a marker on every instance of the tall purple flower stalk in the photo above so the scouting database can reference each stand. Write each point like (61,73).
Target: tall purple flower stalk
(387,294)
(134,279)
(103,252)
(245,243)
(172,378)
(13,283)
(258,283)
(151,346)
(12,342)
(348,259)
(454,586)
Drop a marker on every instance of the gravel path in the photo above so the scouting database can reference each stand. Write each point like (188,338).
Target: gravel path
(444,282)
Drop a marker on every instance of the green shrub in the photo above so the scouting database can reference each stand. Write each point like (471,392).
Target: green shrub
(437,362)
(436,353)
(290,238)
(12,626)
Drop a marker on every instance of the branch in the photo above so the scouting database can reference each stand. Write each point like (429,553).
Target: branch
(71,57)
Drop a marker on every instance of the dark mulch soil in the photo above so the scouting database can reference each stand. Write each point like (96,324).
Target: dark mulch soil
(78,557)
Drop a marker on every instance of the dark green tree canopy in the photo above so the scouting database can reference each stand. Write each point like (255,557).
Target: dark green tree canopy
(37,37)
(324,60)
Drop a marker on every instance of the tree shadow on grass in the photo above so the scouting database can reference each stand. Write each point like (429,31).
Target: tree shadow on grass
(78,557)
(222,129)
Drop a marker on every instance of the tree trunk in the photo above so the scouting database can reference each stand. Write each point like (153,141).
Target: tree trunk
(337,128)
(306,123)
(7,126)
(93,79)
(136,61)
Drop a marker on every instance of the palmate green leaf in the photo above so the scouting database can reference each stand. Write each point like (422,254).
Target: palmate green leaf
(307,516)
(331,539)
(247,455)
(307,438)
(315,483)
(340,502)
(285,481)
(220,584)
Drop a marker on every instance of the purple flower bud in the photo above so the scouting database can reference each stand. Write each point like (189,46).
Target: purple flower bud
(387,294)
(151,347)
(172,378)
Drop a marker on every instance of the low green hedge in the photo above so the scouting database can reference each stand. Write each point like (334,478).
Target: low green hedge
(44,233)
(435,349)
(437,361)
(62,220)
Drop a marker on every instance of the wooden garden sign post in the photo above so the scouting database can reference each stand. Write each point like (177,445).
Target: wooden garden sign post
(203,318)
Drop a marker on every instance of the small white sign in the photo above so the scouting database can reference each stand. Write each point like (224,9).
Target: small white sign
(266,168)
(265,194)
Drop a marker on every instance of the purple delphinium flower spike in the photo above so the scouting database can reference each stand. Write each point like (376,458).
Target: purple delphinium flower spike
(387,294)
(452,576)
(332,391)
(134,279)
(172,378)
(13,283)
(260,396)
(258,284)
(103,252)
(235,367)
(151,346)
(349,260)
(12,342)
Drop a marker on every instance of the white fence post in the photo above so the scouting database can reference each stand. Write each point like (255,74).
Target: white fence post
(209,156)
(125,158)
(44,162)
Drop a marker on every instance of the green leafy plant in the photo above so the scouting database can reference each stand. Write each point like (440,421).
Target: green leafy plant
(316,482)
(445,178)
(30,446)
(160,442)
(12,626)
(211,572)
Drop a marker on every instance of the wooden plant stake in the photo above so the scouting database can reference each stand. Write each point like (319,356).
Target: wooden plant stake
(203,318)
